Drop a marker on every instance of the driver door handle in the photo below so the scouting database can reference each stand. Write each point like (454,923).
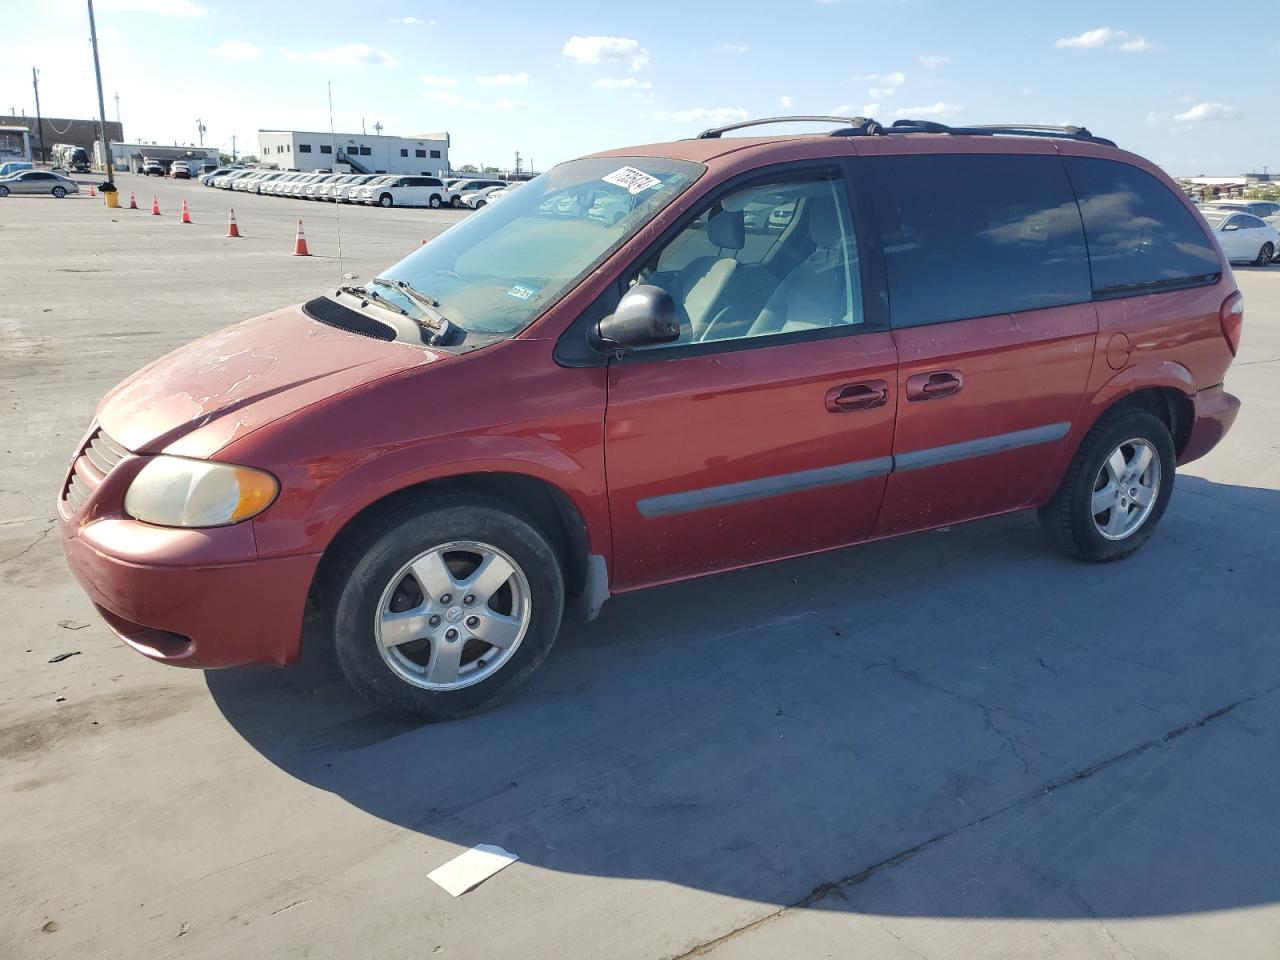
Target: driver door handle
(935,385)
(865,395)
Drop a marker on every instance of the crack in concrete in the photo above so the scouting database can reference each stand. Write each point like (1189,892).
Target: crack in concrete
(32,545)
(1078,899)
(837,887)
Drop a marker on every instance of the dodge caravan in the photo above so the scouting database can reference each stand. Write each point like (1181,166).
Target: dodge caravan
(781,345)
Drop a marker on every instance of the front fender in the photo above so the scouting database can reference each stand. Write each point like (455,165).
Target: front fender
(321,497)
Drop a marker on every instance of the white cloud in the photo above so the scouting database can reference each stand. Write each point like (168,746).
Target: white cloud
(708,116)
(933,111)
(933,63)
(350,55)
(621,83)
(883,84)
(511,104)
(786,101)
(504,80)
(444,96)
(431,80)
(606,50)
(412,21)
(162,8)
(732,48)
(1207,110)
(236,50)
(1106,37)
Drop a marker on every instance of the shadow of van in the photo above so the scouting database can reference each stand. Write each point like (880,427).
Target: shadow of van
(950,724)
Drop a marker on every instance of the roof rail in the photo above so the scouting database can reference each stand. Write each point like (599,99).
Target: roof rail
(999,129)
(854,126)
(866,127)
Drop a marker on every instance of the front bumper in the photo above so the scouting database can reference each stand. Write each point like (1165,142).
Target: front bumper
(1215,412)
(178,596)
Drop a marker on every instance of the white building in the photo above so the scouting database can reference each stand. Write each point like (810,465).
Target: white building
(426,154)
(129,157)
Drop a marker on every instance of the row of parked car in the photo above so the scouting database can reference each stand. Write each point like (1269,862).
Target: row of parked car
(386,190)
(1247,230)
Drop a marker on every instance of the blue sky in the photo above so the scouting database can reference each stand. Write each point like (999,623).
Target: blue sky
(571,77)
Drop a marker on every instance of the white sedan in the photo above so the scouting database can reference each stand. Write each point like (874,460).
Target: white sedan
(1243,237)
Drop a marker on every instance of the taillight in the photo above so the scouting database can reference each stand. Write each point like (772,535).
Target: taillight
(1231,315)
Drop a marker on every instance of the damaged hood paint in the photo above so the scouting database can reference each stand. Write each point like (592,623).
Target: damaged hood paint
(200,397)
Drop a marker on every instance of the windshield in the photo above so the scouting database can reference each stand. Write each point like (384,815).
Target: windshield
(495,271)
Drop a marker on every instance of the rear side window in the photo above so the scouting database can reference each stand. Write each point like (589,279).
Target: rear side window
(1140,235)
(971,235)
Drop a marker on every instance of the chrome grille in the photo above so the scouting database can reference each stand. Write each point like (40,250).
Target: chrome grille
(102,454)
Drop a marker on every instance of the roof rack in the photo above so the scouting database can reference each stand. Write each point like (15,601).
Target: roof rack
(866,127)
(999,129)
(854,126)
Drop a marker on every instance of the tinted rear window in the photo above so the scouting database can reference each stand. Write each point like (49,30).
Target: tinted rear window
(971,236)
(1140,234)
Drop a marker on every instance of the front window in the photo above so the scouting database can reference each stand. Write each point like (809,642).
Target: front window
(1214,217)
(495,271)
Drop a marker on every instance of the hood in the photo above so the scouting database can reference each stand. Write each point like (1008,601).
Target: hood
(200,397)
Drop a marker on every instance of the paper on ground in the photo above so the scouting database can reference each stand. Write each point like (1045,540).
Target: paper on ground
(470,869)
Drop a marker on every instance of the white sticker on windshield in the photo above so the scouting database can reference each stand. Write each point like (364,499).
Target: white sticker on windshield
(632,180)
(521,293)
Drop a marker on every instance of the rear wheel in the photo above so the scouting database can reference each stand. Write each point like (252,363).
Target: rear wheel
(4,191)
(434,201)
(1265,255)
(59,192)
(385,200)
(1115,490)
(443,614)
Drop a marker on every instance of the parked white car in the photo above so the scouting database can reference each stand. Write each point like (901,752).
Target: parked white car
(476,199)
(396,191)
(463,188)
(1268,210)
(226,181)
(345,192)
(1243,237)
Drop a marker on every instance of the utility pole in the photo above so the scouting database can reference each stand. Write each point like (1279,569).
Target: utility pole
(118,123)
(102,105)
(35,83)
(201,128)
(233,148)
(517,163)
(377,128)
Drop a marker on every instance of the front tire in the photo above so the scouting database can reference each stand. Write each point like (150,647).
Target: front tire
(385,200)
(445,613)
(59,192)
(1115,490)
(1265,255)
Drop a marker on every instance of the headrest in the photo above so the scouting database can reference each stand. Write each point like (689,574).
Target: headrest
(824,223)
(728,228)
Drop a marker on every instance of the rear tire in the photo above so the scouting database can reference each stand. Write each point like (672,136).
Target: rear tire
(434,202)
(4,191)
(1265,255)
(394,569)
(1101,513)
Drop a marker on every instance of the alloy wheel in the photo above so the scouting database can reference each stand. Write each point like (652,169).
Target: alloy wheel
(453,616)
(1125,489)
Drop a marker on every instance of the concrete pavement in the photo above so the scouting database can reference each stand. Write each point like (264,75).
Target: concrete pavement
(954,744)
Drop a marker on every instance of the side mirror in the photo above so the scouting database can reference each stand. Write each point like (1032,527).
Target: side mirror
(646,315)
(1230,226)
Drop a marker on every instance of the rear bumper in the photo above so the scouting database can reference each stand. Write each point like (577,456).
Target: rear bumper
(1215,412)
(184,611)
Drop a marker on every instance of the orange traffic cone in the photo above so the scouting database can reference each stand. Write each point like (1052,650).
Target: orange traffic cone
(133,201)
(155,205)
(186,214)
(232,229)
(92,191)
(300,243)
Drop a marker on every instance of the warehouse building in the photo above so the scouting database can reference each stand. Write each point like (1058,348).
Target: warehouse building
(129,157)
(425,155)
(80,133)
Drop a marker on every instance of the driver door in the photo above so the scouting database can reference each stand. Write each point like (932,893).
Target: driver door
(766,430)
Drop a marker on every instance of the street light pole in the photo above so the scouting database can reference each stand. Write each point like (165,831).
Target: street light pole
(102,104)
(35,83)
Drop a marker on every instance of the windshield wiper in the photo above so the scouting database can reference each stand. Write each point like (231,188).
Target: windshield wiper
(431,319)
(365,295)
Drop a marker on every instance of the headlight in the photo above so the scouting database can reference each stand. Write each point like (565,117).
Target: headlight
(175,492)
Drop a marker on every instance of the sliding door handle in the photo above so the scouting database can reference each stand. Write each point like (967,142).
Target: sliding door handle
(934,386)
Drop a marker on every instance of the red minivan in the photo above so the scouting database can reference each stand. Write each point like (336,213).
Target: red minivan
(652,364)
